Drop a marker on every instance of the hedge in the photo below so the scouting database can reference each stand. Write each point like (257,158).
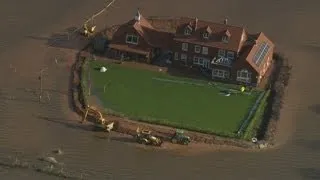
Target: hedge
(83,98)
(257,118)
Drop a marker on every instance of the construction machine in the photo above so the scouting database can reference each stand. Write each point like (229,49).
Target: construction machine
(99,121)
(88,31)
(145,137)
(180,138)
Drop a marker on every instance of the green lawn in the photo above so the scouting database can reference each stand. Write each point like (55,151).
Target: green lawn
(140,95)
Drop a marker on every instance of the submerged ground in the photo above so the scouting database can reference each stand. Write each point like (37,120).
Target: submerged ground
(26,133)
(157,97)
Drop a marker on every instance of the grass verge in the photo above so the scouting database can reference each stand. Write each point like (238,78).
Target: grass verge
(256,120)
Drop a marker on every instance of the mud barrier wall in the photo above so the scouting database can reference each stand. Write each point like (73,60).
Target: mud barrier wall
(278,82)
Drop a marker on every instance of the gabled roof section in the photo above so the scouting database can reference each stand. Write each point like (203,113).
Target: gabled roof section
(217,29)
(256,49)
(146,31)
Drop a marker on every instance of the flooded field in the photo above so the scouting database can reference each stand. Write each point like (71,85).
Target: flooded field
(29,130)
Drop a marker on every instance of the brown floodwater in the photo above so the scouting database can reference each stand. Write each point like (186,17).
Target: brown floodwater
(29,129)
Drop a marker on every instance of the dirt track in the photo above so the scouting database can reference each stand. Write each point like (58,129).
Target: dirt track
(33,129)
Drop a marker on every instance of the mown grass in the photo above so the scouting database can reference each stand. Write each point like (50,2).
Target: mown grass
(136,94)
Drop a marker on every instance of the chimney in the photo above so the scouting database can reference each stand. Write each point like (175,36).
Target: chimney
(196,24)
(225,21)
(137,17)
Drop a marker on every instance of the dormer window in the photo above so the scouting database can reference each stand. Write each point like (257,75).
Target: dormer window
(225,39)
(188,30)
(226,36)
(205,35)
(207,32)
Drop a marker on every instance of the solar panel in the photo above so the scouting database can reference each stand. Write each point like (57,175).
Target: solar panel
(261,53)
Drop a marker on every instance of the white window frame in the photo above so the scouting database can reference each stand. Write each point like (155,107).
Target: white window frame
(197,49)
(183,57)
(224,74)
(230,55)
(222,52)
(176,56)
(205,35)
(225,39)
(184,47)
(203,62)
(205,50)
(132,37)
(187,31)
(195,60)
(244,75)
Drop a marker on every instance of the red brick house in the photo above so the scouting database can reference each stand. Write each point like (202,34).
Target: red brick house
(227,52)
(139,40)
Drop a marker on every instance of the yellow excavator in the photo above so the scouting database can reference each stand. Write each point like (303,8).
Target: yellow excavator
(88,31)
(98,119)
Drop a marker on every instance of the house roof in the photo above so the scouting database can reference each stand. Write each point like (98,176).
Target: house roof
(253,48)
(215,38)
(152,36)
(157,37)
(248,46)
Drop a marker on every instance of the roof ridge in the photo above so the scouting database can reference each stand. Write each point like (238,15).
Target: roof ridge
(211,22)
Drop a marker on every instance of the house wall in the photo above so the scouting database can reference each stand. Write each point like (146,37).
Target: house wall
(244,65)
(177,48)
(120,38)
(121,35)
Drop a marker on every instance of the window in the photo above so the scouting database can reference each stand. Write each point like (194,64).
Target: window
(184,57)
(204,50)
(200,61)
(203,62)
(222,52)
(184,46)
(132,39)
(187,31)
(176,56)
(220,73)
(197,48)
(230,55)
(244,76)
(205,35)
(195,60)
(225,39)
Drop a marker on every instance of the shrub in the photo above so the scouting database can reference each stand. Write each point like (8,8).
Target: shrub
(279,81)
(83,85)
